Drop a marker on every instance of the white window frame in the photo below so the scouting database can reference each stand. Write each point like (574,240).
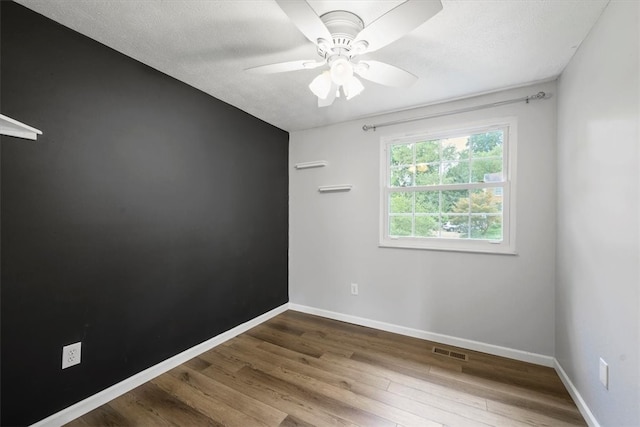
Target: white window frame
(507,244)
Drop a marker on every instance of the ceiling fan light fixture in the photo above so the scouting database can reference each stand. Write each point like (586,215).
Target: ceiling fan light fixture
(324,45)
(321,85)
(361,68)
(353,87)
(340,36)
(359,47)
(341,71)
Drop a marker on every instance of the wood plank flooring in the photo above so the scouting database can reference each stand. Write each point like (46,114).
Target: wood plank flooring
(302,370)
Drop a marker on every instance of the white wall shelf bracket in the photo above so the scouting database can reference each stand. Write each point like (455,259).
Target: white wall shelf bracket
(334,188)
(309,165)
(11,127)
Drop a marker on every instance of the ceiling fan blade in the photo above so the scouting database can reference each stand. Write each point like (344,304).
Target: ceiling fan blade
(384,74)
(398,22)
(330,98)
(306,19)
(283,67)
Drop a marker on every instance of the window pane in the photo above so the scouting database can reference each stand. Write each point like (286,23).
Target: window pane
(455,173)
(455,201)
(497,192)
(455,149)
(486,227)
(427,174)
(486,170)
(427,226)
(455,226)
(427,152)
(428,202)
(485,201)
(402,176)
(399,225)
(486,215)
(495,231)
(401,203)
(487,144)
(463,226)
(401,154)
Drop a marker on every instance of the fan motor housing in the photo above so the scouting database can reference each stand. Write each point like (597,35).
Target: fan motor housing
(344,26)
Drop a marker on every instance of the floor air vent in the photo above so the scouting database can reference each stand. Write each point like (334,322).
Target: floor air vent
(441,351)
(452,354)
(457,355)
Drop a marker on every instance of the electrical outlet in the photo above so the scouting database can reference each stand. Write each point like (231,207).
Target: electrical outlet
(71,355)
(604,373)
(354,289)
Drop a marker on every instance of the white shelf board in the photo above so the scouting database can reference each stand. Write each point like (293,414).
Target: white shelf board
(309,165)
(334,188)
(11,127)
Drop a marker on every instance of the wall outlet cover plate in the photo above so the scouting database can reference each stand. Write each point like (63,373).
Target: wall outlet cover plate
(71,354)
(604,373)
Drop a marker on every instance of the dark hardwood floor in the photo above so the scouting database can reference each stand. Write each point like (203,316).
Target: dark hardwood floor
(302,370)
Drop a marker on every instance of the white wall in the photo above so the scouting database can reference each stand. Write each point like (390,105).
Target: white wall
(598,216)
(496,299)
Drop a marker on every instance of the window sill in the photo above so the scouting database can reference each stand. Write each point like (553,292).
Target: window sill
(482,247)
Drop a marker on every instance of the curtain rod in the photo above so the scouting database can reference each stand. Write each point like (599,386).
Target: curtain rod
(539,95)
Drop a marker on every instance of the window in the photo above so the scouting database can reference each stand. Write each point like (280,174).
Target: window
(450,190)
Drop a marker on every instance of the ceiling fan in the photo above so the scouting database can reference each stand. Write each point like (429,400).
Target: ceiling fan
(341,37)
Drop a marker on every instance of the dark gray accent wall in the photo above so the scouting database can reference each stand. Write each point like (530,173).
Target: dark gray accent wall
(148,218)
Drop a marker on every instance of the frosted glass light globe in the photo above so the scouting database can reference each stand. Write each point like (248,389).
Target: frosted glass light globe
(341,71)
(353,87)
(321,85)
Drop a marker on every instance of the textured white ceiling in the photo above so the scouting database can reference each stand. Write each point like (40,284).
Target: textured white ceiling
(471,47)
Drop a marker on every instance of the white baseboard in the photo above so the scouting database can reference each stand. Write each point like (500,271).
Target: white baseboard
(496,350)
(106,395)
(575,395)
(524,356)
(98,399)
